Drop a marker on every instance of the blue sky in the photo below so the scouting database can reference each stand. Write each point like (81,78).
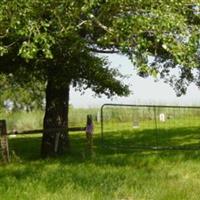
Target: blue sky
(144,91)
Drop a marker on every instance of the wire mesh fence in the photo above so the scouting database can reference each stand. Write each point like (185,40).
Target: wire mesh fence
(150,126)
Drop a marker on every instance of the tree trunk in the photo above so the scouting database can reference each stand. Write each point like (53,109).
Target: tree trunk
(55,135)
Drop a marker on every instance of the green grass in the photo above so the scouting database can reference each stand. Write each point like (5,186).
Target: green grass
(116,171)
(173,133)
(109,173)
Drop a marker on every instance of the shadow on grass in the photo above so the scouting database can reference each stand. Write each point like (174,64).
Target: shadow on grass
(25,148)
(179,138)
(81,169)
(136,142)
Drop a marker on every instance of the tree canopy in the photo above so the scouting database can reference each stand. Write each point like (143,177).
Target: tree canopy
(49,40)
(43,32)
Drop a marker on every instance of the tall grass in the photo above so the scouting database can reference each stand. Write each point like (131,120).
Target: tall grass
(34,120)
(23,120)
(77,116)
(129,113)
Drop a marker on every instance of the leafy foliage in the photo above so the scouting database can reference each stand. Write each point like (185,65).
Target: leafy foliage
(52,39)
(40,39)
(17,96)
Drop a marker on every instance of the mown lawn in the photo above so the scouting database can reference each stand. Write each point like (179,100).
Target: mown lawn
(107,173)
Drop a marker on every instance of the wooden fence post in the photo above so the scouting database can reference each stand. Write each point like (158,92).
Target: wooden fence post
(89,132)
(4,141)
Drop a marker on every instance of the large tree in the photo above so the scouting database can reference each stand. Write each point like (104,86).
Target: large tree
(59,41)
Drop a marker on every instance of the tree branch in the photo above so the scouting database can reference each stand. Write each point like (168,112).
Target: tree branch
(102,51)
(105,28)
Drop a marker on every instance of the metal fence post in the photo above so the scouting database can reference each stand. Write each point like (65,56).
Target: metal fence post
(102,123)
(4,141)
(156,125)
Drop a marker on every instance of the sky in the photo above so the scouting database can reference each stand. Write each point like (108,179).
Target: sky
(144,91)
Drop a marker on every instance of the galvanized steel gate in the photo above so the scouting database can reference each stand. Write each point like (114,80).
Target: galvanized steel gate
(150,126)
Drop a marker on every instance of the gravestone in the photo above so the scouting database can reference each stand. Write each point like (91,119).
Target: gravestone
(136,124)
(162,117)
(4,141)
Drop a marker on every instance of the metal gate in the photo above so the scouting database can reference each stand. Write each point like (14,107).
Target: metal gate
(150,126)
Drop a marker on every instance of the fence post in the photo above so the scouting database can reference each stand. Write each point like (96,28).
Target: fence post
(89,132)
(4,141)
(156,125)
(102,123)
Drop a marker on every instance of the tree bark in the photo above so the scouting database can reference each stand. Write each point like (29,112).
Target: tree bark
(55,134)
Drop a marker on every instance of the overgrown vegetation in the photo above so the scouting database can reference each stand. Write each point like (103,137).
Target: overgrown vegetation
(22,120)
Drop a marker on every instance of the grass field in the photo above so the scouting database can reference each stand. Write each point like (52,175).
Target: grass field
(106,174)
(173,133)
(116,172)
